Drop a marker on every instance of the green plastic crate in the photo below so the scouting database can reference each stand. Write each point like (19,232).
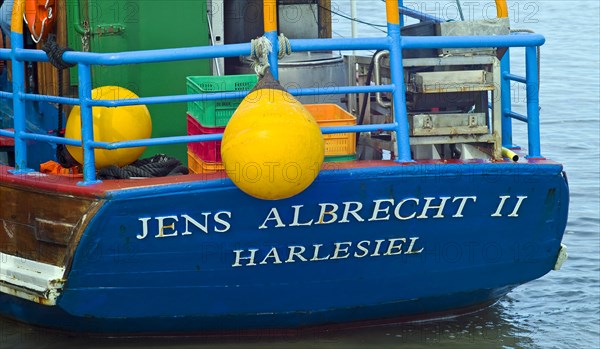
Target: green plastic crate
(217,113)
(340,158)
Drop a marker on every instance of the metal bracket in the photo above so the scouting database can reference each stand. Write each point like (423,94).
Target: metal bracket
(109,29)
(472,121)
(427,122)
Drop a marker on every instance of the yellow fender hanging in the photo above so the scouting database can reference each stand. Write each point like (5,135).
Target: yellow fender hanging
(272,147)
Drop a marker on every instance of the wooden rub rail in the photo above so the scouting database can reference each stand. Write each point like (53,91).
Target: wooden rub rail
(43,236)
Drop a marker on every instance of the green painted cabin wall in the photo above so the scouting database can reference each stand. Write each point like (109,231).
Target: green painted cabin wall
(148,24)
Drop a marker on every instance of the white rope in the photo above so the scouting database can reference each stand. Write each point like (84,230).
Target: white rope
(259,53)
(260,49)
(285,48)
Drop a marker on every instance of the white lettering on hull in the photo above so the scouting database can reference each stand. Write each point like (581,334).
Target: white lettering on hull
(182,225)
(380,210)
(516,207)
(338,250)
(377,212)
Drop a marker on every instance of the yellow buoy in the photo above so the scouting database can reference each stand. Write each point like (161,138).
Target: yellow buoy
(112,125)
(272,147)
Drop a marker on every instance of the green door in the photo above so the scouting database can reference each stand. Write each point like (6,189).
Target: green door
(132,25)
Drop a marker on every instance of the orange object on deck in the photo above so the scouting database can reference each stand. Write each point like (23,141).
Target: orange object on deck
(53,167)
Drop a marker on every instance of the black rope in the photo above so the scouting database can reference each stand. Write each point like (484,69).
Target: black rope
(55,53)
(157,166)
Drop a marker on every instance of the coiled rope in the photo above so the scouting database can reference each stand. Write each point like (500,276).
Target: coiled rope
(159,165)
(55,53)
(285,47)
(260,49)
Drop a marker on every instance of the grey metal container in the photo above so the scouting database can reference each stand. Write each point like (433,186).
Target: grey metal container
(322,70)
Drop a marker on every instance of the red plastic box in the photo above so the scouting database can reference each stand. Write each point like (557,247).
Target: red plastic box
(206,151)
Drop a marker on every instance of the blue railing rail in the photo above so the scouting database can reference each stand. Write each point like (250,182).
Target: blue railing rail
(531,80)
(392,42)
(532,119)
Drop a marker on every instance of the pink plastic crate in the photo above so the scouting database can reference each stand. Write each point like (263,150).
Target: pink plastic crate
(206,151)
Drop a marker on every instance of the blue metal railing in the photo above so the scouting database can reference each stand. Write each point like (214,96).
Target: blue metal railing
(532,119)
(531,81)
(393,42)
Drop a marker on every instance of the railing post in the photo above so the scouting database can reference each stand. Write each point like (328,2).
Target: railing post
(87,124)
(401,3)
(397,75)
(18,84)
(506,102)
(270,26)
(533,102)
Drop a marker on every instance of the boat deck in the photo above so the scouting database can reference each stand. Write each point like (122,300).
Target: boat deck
(70,184)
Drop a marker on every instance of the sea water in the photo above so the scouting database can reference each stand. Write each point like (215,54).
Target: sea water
(559,310)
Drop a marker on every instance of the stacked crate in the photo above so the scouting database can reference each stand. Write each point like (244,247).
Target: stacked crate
(210,117)
(338,146)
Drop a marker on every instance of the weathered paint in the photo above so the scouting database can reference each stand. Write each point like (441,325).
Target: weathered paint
(31,280)
(41,226)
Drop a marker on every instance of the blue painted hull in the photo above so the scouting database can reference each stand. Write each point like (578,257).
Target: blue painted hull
(358,245)
(56,318)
